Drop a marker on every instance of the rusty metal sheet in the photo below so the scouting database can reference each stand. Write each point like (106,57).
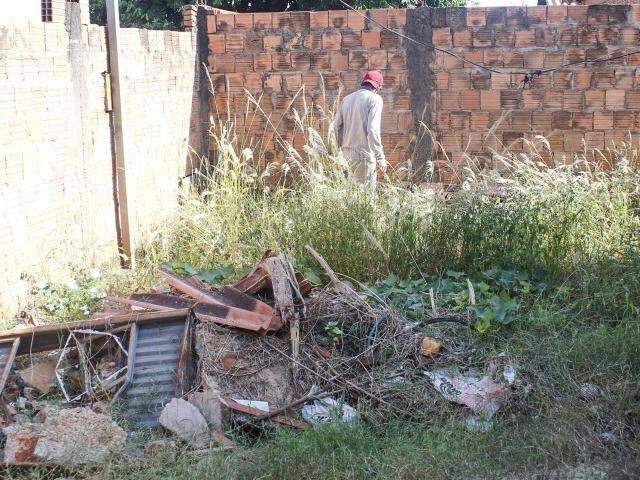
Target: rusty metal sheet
(159,356)
(8,350)
(234,317)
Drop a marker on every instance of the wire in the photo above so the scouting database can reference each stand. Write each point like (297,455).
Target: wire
(529,75)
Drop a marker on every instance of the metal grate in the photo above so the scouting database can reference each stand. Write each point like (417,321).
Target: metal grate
(155,371)
(47,10)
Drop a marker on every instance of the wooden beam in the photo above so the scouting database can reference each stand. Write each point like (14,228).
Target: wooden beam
(117,130)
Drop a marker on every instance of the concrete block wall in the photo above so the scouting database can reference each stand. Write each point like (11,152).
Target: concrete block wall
(56,172)
(471,111)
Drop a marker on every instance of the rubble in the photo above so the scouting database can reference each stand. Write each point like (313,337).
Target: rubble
(73,436)
(197,360)
(185,420)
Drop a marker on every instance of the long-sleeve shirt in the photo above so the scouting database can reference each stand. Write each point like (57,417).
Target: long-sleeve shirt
(357,124)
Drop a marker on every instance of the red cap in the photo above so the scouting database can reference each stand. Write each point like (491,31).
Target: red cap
(373,78)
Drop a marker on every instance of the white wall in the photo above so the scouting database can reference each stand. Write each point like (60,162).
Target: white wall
(29,9)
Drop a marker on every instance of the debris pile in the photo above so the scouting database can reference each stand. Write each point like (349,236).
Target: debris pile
(198,361)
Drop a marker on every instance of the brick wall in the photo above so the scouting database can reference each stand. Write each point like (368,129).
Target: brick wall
(56,173)
(592,106)
(273,54)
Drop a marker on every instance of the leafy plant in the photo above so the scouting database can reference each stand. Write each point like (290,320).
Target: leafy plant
(212,276)
(73,300)
(333,331)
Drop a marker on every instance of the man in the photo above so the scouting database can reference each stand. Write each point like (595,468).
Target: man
(357,125)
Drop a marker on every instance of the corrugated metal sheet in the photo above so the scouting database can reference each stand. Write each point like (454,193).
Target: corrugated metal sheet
(155,377)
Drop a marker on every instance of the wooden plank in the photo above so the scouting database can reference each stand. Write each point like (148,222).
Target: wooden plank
(9,363)
(50,337)
(117,124)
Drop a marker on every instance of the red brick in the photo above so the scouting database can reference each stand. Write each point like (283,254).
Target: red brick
(281,20)
(510,98)
(351,80)
(459,121)
(573,55)
(521,121)
(338,18)
(556,14)
(516,16)
(262,62)
(470,99)
(442,37)
(459,80)
(493,57)
(300,61)
(358,60)
(562,79)
(235,42)
(583,120)
(582,78)
(243,21)
(546,37)
(292,82)
(586,36)
(401,100)
(405,121)
(483,37)
(355,20)
(378,17)
(500,80)
(479,120)
(536,14)
(224,63)
(630,36)
(293,40)
(319,20)
(274,81)
(339,61)
(604,79)
(281,61)
(603,120)
(272,42)
(211,23)
(300,20)
(462,38)
(217,43)
(480,80)
(598,15)
(313,41)
(451,142)
(567,36)
(624,120)
(525,38)
(225,22)
(371,39)
(615,99)
(253,82)
(331,80)
(253,42)
(535,59)
(490,99)
(624,79)
(351,39)
(397,17)
(235,83)
(449,100)
(553,59)
(608,35)
(473,55)
(378,60)
(320,61)
(633,99)
(442,80)
(594,140)
(573,141)
(552,100)
(476,17)
(262,21)
(244,63)
(505,37)
(577,13)
(594,98)
(514,58)
(541,121)
(331,40)
(397,60)
(389,39)
(531,99)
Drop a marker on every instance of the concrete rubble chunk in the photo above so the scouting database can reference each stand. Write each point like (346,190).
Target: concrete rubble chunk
(185,420)
(73,436)
(208,402)
(41,375)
